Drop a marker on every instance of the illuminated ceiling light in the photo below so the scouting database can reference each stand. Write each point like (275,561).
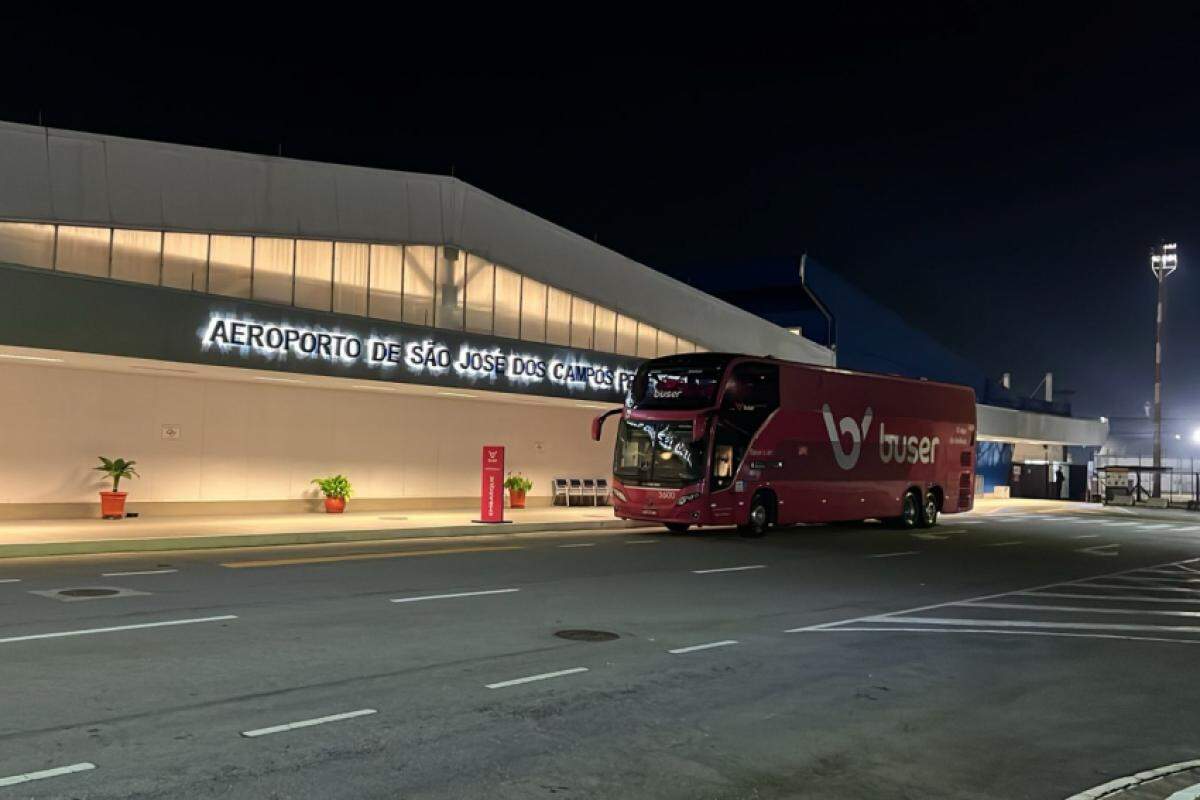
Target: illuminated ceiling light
(166,369)
(457,394)
(1104,420)
(278,380)
(1179,436)
(1196,436)
(31,358)
(591,405)
(376,388)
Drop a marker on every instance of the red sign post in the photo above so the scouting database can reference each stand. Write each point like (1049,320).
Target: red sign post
(491,496)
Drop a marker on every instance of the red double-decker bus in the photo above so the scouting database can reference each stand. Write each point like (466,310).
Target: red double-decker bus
(719,439)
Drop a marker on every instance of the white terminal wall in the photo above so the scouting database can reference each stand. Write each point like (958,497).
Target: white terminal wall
(67,176)
(245,441)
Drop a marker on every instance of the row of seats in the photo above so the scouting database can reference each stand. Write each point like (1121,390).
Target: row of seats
(581,491)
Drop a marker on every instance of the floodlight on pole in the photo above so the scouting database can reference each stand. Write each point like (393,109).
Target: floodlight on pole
(1164,260)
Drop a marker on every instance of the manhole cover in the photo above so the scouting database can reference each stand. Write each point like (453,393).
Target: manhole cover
(89,592)
(587,636)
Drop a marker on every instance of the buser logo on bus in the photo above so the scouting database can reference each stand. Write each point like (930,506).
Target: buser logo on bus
(893,447)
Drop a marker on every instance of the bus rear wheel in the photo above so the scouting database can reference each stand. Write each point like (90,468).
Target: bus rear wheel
(910,513)
(677,527)
(759,518)
(929,511)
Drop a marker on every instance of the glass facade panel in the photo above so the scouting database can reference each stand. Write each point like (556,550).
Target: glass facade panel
(419,270)
(606,330)
(350,272)
(647,342)
(185,261)
(314,274)
(533,310)
(582,323)
(627,338)
(83,251)
(451,277)
(273,260)
(480,283)
(684,346)
(27,244)
(558,317)
(136,255)
(666,344)
(229,265)
(508,303)
(387,282)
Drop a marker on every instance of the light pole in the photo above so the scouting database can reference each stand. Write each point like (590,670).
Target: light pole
(1163,261)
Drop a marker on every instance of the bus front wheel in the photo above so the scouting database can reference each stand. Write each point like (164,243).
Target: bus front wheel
(759,518)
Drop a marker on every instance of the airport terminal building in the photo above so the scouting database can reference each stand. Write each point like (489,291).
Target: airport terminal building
(240,324)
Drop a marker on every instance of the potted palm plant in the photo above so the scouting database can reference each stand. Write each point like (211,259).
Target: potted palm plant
(517,486)
(112,504)
(336,490)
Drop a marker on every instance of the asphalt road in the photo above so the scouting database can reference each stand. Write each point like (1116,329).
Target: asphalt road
(986,659)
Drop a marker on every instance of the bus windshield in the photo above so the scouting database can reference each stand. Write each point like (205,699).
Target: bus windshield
(677,387)
(658,454)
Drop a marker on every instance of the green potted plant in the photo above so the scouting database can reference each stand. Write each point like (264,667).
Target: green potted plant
(517,486)
(336,490)
(112,504)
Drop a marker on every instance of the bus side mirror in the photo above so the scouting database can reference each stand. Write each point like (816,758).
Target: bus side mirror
(598,423)
(699,426)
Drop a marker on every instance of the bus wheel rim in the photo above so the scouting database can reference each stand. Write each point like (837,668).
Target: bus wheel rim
(758,516)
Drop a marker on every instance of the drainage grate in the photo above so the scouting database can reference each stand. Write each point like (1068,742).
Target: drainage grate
(88,592)
(586,635)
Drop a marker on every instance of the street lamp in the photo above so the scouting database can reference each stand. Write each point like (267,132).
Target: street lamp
(1163,261)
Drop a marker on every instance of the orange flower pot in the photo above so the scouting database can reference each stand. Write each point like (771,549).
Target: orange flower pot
(112,505)
(516,499)
(335,505)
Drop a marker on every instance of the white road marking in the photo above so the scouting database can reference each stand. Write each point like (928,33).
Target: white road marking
(728,569)
(1027,623)
(1155,581)
(695,647)
(307,723)
(541,677)
(137,572)
(1119,524)
(1154,527)
(449,596)
(25,777)
(10,580)
(1087,536)
(1081,582)
(968,522)
(1189,528)
(1140,588)
(1084,521)
(1002,544)
(893,555)
(1117,597)
(1099,550)
(644,541)
(115,628)
(1085,609)
(1063,634)
(579,544)
(1112,786)
(1189,793)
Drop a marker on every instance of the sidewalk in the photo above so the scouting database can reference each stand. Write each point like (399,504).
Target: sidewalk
(1018,505)
(26,538)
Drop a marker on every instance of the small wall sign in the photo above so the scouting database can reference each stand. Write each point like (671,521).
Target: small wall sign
(171,431)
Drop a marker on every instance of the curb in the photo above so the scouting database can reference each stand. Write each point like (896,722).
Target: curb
(233,541)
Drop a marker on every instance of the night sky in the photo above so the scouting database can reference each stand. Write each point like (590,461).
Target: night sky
(995,176)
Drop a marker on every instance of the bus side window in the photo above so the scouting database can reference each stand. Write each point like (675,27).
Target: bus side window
(723,461)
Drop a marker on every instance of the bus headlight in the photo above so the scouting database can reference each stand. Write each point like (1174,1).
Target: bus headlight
(619,495)
(687,498)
